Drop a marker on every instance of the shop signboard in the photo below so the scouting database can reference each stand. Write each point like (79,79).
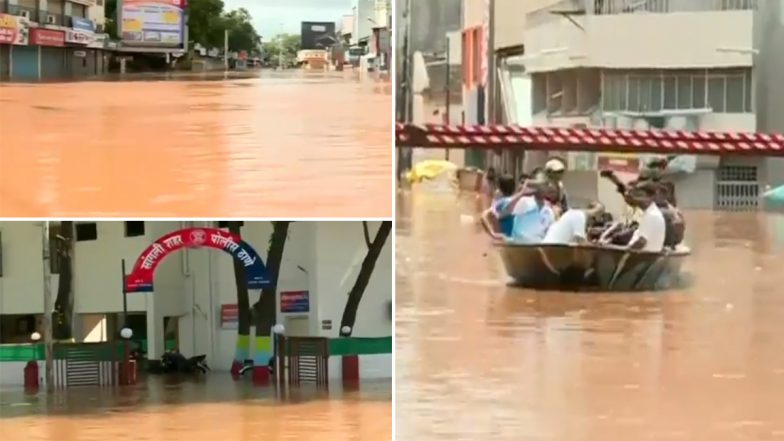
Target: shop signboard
(47,37)
(293,302)
(152,22)
(14,30)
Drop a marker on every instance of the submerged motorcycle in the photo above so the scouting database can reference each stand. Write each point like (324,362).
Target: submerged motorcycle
(176,363)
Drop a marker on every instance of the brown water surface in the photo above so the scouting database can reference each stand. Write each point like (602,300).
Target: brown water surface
(218,409)
(478,360)
(281,145)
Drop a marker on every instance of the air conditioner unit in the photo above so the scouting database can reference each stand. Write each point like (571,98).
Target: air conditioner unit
(25,14)
(50,19)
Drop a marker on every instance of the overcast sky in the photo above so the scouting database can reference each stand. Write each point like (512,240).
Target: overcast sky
(272,17)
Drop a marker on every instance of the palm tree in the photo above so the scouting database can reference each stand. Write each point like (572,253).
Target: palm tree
(62,244)
(264,308)
(242,351)
(363,278)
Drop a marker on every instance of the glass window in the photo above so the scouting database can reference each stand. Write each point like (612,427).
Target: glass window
(656,93)
(684,92)
(735,92)
(698,91)
(645,93)
(748,94)
(623,86)
(716,94)
(634,94)
(670,93)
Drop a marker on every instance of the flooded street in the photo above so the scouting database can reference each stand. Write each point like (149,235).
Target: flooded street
(289,144)
(477,360)
(216,409)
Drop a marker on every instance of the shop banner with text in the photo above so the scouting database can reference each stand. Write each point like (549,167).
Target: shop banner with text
(14,30)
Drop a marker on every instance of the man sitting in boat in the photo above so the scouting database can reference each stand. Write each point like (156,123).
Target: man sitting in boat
(533,213)
(675,225)
(572,226)
(553,173)
(497,220)
(650,234)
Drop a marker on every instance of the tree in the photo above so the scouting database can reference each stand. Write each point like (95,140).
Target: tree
(264,308)
(62,245)
(283,48)
(363,278)
(205,25)
(242,351)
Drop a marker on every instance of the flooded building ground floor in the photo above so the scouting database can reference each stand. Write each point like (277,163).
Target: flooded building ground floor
(31,63)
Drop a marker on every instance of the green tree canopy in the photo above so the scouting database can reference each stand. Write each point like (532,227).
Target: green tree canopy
(283,48)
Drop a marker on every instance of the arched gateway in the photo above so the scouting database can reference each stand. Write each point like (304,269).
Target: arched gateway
(141,277)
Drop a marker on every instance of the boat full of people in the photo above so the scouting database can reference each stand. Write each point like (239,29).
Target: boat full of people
(547,244)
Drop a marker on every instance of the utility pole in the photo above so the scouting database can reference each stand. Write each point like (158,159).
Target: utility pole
(48,309)
(448,88)
(226,50)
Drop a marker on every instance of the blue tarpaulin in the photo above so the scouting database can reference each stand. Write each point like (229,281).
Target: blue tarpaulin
(775,195)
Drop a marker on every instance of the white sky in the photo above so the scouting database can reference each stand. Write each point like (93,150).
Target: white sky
(272,17)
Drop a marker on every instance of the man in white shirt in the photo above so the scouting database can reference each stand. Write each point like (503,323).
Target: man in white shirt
(572,227)
(650,233)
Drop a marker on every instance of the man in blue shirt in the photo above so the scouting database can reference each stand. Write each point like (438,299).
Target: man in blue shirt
(497,220)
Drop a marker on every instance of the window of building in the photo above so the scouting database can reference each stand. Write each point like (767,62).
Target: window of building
(78,10)
(17,328)
(723,91)
(225,224)
(134,228)
(86,231)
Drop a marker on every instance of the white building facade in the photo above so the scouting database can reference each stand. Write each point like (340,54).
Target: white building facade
(192,285)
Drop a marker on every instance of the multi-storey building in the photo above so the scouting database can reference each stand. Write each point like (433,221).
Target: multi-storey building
(51,39)
(678,64)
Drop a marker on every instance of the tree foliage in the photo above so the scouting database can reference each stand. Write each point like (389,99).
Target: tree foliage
(281,49)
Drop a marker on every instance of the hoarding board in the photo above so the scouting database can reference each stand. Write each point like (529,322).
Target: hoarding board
(152,22)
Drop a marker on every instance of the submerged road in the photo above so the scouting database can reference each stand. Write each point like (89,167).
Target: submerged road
(291,144)
(216,408)
(478,360)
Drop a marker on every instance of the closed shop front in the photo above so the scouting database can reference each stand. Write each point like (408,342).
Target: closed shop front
(81,58)
(24,63)
(53,52)
(5,60)
(14,33)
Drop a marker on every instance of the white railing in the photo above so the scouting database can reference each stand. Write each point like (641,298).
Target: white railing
(665,6)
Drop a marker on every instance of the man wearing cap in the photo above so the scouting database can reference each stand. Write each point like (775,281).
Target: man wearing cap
(553,172)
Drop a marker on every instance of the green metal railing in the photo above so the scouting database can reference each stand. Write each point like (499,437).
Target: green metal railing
(106,352)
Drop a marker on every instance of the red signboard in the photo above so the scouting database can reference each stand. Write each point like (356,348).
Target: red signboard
(47,37)
(294,302)
(230,316)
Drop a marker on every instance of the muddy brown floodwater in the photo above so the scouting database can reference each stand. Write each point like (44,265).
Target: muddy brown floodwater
(280,145)
(218,409)
(477,360)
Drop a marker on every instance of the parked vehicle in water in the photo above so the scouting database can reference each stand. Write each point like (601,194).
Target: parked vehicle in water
(173,362)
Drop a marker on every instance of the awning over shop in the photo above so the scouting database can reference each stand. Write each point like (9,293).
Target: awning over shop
(664,142)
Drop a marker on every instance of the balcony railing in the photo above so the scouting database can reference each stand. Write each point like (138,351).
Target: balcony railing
(46,17)
(19,10)
(665,6)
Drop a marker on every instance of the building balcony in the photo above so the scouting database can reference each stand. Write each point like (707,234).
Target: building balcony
(31,13)
(715,38)
(50,18)
(609,7)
